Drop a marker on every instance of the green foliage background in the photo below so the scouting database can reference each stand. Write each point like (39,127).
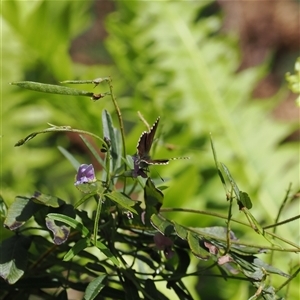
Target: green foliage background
(169,60)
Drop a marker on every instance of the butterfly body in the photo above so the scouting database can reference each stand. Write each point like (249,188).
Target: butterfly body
(142,158)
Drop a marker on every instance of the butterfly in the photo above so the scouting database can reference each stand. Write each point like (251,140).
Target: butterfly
(142,158)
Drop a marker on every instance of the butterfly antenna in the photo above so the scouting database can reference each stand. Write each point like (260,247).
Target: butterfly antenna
(143,120)
(159,175)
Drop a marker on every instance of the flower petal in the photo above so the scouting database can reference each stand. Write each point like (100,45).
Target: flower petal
(85,174)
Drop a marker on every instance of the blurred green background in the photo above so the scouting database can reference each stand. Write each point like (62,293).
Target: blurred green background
(177,60)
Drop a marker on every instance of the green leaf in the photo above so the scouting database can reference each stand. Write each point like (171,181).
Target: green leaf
(112,134)
(254,268)
(107,252)
(217,236)
(130,285)
(162,225)
(91,188)
(245,200)
(181,231)
(59,230)
(195,243)
(13,258)
(233,185)
(20,211)
(52,89)
(79,246)
(83,199)
(270,269)
(71,222)
(47,200)
(94,288)
(153,200)
(122,200)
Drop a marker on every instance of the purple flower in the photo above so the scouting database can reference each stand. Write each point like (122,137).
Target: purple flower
(85,174)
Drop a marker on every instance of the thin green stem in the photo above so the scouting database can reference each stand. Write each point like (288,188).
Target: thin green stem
(274,226)
(281,223)
(285,199)
(56,129)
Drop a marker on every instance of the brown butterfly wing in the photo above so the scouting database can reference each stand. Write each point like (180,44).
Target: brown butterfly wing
(155,161)
(146,140)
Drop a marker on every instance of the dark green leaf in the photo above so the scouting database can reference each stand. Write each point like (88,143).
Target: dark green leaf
(183,261)
(107,252)
(135,220)
(153,200)
(95,267)
(179,291)
(94,288)
(13,258)
(31,283)
(245,200)
(79,246)
(196,246)
(69,221)
(162,225)
(131,285)
(21,210)
(63,295)
(151,289)
(181,231)
(123,200)
(83,199)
